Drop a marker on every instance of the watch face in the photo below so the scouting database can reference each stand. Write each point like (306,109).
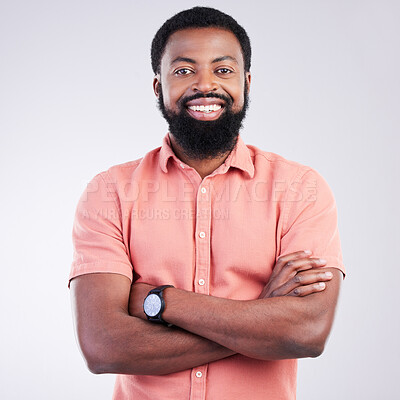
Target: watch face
(152,305)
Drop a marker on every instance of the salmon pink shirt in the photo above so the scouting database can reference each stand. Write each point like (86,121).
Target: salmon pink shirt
(155,220)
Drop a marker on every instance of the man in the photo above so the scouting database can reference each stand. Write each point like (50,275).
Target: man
(206,268)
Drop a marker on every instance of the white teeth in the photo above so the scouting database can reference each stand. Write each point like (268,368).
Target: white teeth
(207,109)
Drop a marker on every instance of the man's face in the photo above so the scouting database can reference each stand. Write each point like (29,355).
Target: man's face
(202,90)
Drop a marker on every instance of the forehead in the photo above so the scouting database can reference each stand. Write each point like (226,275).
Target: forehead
(202,45)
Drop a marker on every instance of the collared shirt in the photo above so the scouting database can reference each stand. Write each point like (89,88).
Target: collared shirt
(155,220)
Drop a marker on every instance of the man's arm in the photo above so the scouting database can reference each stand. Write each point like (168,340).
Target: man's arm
(269,328)
(272,328)
(112,341)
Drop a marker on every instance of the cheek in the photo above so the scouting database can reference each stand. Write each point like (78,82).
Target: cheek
(238,97)
(171,94)
(237,92)
(170,100)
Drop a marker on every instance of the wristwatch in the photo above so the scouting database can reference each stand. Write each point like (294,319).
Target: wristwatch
(154,305)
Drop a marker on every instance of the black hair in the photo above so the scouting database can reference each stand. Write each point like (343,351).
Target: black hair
(198,17)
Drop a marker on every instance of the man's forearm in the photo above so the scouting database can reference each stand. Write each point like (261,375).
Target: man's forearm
(265,329)
(148,349)
(273,328)
(112,341)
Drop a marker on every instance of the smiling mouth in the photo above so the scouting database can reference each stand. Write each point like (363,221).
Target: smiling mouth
(206,112)
(206,109)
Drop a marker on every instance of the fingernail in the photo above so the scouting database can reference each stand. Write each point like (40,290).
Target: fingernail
(321,285)
(308,251)
(322,261)
(328,274)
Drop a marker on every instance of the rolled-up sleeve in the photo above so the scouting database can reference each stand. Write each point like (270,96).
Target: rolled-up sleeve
(310,219)
(97,232)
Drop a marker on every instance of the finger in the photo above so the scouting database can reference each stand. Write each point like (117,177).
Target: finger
(280,283)
(303,264)
(294,256)
(303,279)
(302,291)
(287,267)
(282,260)
(291,268)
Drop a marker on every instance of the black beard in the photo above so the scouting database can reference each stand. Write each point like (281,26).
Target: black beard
(203,140)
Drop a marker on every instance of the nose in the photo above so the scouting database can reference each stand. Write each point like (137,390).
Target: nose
(205,81)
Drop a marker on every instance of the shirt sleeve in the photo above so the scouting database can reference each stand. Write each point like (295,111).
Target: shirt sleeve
(97,234)
(310,220)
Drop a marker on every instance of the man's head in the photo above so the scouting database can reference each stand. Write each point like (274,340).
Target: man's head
(201,58)
(198,17)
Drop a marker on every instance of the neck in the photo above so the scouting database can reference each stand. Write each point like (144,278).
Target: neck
(203,167)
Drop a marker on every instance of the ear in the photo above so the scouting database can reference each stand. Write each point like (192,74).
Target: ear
(248,80)
(156,85)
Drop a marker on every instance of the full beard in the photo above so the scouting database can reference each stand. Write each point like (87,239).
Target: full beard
(203,140)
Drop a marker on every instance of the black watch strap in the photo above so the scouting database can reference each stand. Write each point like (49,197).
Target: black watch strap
(158,318)
(159,289)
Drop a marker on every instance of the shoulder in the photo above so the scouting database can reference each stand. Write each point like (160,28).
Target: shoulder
(293,178)
(277,165)
(119,182)
(125,172)
(267,157)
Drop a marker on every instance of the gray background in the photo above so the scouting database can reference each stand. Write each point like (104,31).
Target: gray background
(76,97)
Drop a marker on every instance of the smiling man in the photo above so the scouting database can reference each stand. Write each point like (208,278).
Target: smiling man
(205,97)
(206,268)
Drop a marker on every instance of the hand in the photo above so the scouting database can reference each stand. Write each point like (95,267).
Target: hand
(296,274)
(138,293)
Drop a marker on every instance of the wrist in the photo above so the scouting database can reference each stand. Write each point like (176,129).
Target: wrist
(169,300)
(176,301)
(154,305)
(139,292)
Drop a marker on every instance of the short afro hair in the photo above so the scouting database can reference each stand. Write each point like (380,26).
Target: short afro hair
(198,17)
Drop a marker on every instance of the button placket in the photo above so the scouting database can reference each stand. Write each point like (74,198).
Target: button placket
(203,239)
(198,383)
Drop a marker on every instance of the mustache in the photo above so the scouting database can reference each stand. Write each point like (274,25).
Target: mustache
(228,100)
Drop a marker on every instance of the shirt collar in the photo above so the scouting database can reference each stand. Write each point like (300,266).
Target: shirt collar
(239,157)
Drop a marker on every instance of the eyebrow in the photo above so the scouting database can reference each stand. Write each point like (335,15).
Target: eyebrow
(184,59)
(190,60)
(224,58)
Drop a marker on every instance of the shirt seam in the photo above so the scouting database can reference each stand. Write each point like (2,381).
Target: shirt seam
(114,193)
(131,163)
(282,160)
(77,264)
(301,172)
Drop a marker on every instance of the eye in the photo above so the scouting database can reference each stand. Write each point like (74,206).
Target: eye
(224,71)
(183,71)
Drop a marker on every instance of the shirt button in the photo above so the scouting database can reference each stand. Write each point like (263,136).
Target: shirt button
(182,165)
(202,282)
(202,235)
(199,374)
(203,190)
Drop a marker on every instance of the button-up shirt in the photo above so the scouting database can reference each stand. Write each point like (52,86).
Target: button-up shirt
(155,220)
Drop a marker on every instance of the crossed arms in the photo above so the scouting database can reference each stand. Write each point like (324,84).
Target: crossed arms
(291,318)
